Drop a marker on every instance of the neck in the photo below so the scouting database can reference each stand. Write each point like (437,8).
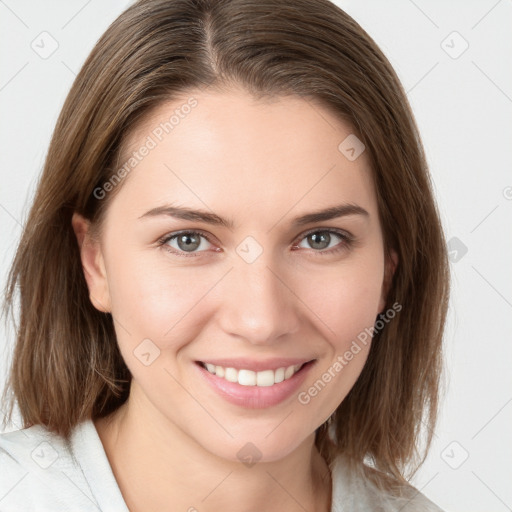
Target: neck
(159,467)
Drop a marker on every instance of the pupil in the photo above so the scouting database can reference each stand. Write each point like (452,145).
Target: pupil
(320,241)
(190,242)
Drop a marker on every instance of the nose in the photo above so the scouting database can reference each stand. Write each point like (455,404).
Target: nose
(258,303)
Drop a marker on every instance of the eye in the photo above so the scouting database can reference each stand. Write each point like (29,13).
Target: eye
(185,242)
(322,239)
(191,243)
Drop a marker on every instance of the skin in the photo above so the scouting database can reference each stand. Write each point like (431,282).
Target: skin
(173,445)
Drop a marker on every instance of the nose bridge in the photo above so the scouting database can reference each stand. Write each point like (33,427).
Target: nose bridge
(257,304)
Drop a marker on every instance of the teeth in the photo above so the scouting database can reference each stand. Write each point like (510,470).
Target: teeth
(264,378)
(246,378)
(231,375)
(288,372)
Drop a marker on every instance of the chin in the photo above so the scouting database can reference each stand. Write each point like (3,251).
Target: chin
(250,447)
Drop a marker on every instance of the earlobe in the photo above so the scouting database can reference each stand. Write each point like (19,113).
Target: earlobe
(93,264)
(391,265)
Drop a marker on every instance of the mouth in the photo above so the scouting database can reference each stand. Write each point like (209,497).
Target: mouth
(252,384)
(265,377)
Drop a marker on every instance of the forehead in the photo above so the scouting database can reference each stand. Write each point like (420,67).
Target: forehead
(232,152)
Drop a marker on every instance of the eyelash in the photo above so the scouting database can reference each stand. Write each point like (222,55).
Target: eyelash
(346,241)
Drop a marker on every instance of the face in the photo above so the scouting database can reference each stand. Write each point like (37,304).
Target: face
(230,319)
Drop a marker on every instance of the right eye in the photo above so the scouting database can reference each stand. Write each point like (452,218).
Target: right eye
(185,243)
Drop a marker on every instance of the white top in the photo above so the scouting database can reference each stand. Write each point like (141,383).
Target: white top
(40,472)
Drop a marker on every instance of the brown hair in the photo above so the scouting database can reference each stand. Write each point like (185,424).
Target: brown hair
(66,365)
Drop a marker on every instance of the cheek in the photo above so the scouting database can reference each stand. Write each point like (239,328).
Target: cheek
(346,302)
(345,299)
(155,301)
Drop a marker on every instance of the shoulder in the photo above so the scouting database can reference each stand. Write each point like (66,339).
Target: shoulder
(40,472)
(354,491)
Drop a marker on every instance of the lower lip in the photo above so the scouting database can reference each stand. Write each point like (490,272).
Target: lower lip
(255,397)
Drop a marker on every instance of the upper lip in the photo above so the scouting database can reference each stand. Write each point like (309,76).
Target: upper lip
(256,366)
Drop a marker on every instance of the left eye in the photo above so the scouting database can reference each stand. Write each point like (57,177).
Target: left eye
(187,241)
(322,239)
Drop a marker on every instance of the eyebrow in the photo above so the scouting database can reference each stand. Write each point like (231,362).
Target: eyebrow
(184,213)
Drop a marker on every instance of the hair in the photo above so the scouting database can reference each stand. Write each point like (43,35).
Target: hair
(66,365)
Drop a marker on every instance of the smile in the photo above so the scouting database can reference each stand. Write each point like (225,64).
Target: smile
(246,377)
(254,384)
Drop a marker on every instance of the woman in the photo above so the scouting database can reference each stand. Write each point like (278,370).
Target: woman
(233,279)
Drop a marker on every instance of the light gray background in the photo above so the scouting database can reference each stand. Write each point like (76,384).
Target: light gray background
(463,105)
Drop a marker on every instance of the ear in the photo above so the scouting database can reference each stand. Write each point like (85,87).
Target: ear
(389,272)
(92,263)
